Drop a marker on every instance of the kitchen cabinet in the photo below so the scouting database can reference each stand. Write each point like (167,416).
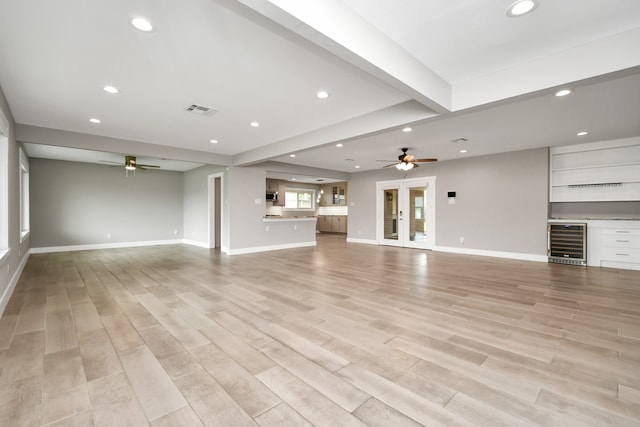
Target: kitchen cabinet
(338,224)
(324,224)
(614,244)
(272,185)
(332,224)
(278,187)
(334,194)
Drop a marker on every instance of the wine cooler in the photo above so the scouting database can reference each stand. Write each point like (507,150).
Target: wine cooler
(567,243)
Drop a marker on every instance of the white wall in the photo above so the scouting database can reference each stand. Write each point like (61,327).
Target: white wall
(76,203)
(12,265)
(501,203)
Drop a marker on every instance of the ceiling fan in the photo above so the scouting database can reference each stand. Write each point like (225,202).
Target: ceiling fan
(130,164)
(407,161)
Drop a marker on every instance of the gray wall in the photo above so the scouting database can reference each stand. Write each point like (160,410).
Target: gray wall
(501,203)
(80,203)
(246,225)
(196,203)
(18,251)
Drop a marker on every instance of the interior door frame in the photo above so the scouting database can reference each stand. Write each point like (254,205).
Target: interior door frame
(381,188)
(211,214)
(403,186)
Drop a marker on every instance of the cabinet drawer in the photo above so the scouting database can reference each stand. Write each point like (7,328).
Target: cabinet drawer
(619,241)
(620,254)
(620,232)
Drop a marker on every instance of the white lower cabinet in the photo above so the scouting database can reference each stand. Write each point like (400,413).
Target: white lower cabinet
(613,244)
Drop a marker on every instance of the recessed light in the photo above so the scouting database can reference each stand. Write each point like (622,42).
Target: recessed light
(521,7)
(142,24)
(292,155)
(582,133)
(110,89)
(94,120)
(339,145)
(213,141)
(563,92)
(463,151)
(407,129)
(322,94)
(293,179)
(254,124)
(357,166)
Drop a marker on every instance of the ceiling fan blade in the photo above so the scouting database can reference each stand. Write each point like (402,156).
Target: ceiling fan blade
(408,157)
(387,161)
(415,165)
(148,166)
(110,162)
(388,166)
(426,160)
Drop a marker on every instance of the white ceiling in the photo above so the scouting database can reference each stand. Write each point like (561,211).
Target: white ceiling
(463,39)
(450,69)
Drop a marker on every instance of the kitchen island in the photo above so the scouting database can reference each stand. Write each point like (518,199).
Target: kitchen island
(281,232)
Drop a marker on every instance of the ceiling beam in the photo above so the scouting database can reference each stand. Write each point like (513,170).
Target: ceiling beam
(333,26)
(378,121)
(62,138)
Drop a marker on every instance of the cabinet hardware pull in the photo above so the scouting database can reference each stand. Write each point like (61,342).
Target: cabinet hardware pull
(622,241)
(623,254)
(622,231)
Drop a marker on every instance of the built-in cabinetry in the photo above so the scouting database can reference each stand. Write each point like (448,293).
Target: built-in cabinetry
(614,244)
(277,187)
(610,243)
(596,172)
(272,185)
(334,194)
(332,223)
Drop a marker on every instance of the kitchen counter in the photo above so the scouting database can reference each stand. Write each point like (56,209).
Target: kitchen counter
(288,218)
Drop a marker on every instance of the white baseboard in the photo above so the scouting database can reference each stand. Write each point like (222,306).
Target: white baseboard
(4,299)
(363,241)
(269,248)
(495,254)
(196,243)
(51,249)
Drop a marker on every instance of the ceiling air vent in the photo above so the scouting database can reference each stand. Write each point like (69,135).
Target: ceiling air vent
(200,110)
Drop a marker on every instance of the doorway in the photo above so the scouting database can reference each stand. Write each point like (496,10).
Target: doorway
(405,212)
(215,211)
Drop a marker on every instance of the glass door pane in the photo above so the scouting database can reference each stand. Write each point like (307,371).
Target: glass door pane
(391,214)
(417,214)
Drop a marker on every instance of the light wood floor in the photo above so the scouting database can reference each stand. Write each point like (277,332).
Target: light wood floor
(341,334)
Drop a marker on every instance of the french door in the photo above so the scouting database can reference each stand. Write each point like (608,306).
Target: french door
(405,212)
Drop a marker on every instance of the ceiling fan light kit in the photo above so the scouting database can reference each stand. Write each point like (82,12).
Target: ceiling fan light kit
(406,161)
(404,166)
(130,164)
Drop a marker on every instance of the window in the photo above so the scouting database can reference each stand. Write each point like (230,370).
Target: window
(299,199)
(24,196)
